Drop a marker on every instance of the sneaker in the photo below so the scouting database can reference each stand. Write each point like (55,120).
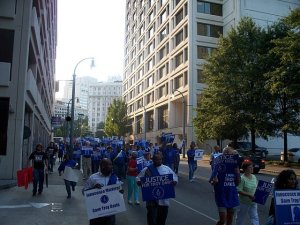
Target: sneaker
(137,202)
(194,177)
(191,180)
(69,196)
(129,202)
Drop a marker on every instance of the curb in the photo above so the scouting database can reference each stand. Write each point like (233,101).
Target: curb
(5,184)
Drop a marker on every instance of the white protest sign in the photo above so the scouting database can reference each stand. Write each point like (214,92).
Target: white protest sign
(198,154)
(104,202)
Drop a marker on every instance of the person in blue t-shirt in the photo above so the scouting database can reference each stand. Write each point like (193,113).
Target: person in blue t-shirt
(191,161)
(176,157)
(225,178)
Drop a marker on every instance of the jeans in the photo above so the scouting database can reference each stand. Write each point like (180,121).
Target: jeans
(251,210)
(38,178)
(68,185)
(192,169)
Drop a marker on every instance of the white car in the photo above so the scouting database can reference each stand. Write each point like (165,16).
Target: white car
(293,155)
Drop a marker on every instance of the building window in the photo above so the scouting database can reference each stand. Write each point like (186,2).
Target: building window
(178,59)
(199,76)
(163,51)
(163,70)
(209,30)
(178,17)
(163,34)
(163,16)
(203,52)
(163,117)
(150,81)
(209,8)
(178,82)
(151,32)
(178,37)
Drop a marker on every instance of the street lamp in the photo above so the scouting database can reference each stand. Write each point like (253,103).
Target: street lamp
(145,125)
(73,103)
(183,122)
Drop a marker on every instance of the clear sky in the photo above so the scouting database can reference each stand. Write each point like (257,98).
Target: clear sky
(90,28)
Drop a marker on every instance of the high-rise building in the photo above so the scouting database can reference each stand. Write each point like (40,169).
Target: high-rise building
(81,90)
(101,95)
(166,42)
(27,72)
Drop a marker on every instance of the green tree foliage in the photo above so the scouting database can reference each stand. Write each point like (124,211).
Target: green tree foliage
(284,77)
(235,100)
(116,123)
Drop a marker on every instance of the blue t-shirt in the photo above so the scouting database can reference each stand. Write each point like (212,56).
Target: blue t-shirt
(225,169)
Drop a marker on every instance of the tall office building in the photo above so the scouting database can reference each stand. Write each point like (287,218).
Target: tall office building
(81,90)
(101,95)
(165,45)
(27,67)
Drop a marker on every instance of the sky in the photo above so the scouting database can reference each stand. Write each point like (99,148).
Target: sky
(89,28)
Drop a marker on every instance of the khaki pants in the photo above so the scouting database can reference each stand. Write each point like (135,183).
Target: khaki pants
(86,167)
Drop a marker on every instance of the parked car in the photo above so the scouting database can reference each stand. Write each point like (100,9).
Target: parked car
(293,155)
(245,145)
(248,156)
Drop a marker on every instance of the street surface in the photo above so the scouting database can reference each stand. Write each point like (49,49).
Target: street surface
(194,203)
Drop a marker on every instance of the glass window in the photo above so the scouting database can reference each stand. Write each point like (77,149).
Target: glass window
(4,108)
(178,17)
(163,117)
(178,59)
(179,37)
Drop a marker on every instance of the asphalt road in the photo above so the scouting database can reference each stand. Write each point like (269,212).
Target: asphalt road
(194,204)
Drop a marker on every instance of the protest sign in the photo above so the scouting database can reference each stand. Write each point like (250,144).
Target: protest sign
(262,192)
(139,163)
(104,202)
(157,187)
(287,207)
(198,154)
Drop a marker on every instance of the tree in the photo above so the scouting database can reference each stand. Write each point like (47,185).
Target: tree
(235,100)
(116,123)
(284,76)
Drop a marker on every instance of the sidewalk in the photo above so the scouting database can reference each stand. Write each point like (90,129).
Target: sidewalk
(270,169)
(51,207)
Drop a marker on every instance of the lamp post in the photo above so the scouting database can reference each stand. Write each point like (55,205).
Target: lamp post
(183,123)
(73,103)
(145,125)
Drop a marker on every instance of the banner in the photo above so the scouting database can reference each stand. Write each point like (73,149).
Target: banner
(262,192)
(157,187)
(104,202)
(198,154)
(70,174)
(287,207)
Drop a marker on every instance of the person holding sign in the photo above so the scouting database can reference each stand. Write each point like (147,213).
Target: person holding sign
(246,190)
(225,177)
(98,180)
(286,179)
(156,177)
(70,177)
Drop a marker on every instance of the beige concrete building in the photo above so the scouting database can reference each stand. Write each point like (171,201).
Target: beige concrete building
(165,45)
(27,70)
